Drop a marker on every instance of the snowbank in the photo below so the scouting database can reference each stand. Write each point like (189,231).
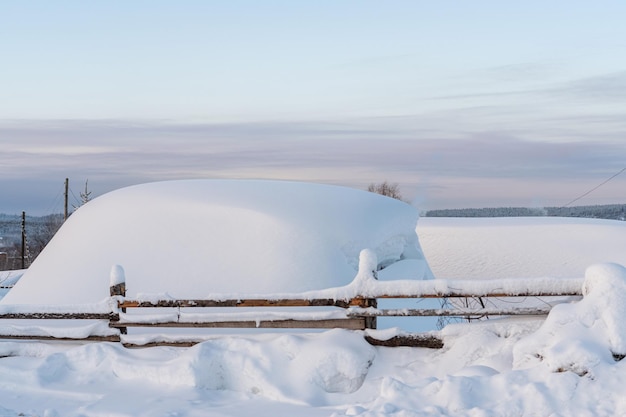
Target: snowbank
(199,237)
(515,367)
(577,337)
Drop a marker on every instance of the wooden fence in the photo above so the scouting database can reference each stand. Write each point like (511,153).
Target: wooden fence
(353,307)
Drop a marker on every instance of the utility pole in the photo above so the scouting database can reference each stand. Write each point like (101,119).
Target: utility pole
(23,240)
(67,187)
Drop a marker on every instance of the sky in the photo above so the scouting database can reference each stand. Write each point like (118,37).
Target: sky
(463,104)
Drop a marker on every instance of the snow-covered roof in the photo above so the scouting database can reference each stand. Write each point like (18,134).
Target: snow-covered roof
(193,238)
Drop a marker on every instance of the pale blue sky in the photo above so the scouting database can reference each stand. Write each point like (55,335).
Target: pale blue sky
(464,104)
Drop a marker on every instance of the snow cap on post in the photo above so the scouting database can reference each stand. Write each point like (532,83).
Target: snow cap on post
(605,289)
(368,263)
(607,277)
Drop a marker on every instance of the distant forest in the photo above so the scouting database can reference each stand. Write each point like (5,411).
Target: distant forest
(609,211)
(38,232)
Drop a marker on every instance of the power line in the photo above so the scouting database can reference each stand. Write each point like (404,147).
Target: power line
(594,188)
(75,198)
(56,202)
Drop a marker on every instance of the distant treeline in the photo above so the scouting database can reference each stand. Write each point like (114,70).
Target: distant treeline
(39,230)
(609,211)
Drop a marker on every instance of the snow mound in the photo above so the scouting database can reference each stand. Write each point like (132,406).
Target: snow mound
(288,367)
(194,238)
(578,337)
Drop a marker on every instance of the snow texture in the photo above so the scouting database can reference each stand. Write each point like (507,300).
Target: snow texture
(568,364)
(117,276)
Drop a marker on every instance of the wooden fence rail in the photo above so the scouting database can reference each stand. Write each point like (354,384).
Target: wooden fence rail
(353,307)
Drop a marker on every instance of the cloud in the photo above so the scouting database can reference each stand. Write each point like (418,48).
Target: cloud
(425,158)
(611,86)
(538,103)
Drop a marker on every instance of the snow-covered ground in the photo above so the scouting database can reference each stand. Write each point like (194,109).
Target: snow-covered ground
(565,365)
(519,247)
(8,279)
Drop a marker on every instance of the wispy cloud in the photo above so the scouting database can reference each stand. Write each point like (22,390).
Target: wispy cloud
(354,153)
(610,86)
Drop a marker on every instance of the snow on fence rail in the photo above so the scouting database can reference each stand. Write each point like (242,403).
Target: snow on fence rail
(352,307)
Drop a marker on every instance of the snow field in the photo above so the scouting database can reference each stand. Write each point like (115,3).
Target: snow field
(565,365)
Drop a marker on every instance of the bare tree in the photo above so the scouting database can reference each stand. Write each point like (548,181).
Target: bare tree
(85,196)
(387,189)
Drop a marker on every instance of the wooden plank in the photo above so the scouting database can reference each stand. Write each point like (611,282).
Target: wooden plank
(237,303)
(423,289)
(443,288)
(112,338)
(170,343)
(522,311)
(59,316)
(329,302)
(490,293)
(412,340)
(359,301)
(356,323)
(415,340)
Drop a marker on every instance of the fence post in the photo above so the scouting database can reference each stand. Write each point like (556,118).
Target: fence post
(117,287)
(23,240)
(371,322)
(368,264)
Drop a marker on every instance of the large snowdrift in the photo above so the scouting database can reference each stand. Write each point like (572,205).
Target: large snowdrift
(193,238)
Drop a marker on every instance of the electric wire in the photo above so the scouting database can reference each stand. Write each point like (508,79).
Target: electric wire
(56,203)
(75,198)
(594,188)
